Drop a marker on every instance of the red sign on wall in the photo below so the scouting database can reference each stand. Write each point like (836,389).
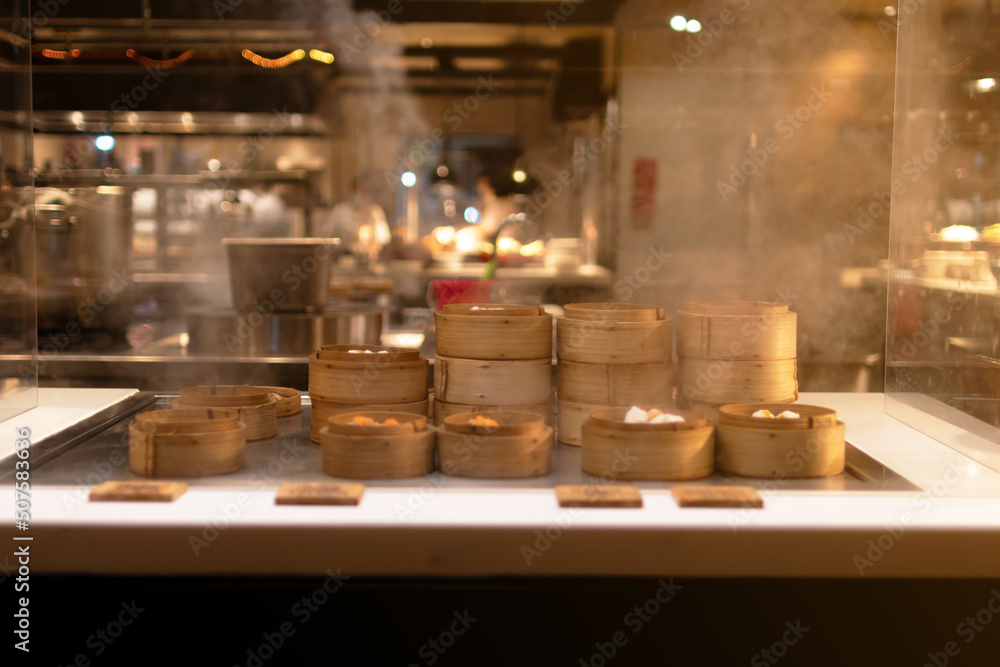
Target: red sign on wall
(643,192)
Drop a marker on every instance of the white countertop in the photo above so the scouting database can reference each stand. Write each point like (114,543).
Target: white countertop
(952,529)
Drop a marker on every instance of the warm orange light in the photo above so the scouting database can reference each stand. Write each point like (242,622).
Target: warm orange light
(160,64)
(61,55)
(272,63)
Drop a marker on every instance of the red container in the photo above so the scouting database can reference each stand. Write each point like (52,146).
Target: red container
(456,290)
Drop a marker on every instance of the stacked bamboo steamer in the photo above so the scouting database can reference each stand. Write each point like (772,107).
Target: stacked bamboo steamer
(611,355)
(735,352)
(256,406)
(187,442)
(809,445)
(349,378)
(377,450)
(492,357)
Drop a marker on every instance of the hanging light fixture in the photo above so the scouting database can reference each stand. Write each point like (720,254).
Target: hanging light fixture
(273,63)
(169,63)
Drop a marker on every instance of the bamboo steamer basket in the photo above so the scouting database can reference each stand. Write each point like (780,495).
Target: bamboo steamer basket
(723,382)
(377,451)
(644,451)
(772,451)
(397,375)
(521,446)
(493,332)
(610,311)
(186,442)
(256,408)
(571,416)
(741,330)
(810,416)
(593,342)
(287,401)
(489,382)
(614,384)
(323,410)
(444,410)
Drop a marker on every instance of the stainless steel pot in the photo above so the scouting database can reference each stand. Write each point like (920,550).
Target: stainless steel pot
(281,274)
(82,241)
(227,332)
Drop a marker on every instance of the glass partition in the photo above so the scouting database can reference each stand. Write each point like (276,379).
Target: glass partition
(945,229)
(18,343)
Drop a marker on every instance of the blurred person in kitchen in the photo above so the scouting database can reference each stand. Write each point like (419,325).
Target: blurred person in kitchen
(493,211)
(359,223)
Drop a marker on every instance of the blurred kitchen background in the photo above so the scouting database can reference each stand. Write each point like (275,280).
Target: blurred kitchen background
(645,151)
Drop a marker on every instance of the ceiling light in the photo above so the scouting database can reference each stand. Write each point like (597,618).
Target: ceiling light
(678,23)
(693,26)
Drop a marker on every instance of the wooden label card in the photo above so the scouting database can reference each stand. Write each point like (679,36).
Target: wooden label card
(590,495)
(157,492)
(717,496)
(319,493)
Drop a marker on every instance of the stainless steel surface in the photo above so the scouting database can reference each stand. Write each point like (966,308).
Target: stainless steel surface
(225,331)
(280,274)
(291,457)
(94,426)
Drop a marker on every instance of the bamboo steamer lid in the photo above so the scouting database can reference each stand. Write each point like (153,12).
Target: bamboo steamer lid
(255,406)
(288,401)
(776,453)
(187,420)
(444,410)
(224,396)
(588,341)
(810,416)
(385,375)
(611,311)
(615,384)
(188,442)
(520,447)
(743,330)
(377,451)
(489,382)
(323,410)
(571,417)
(489,331)
(724,382)
(614,450)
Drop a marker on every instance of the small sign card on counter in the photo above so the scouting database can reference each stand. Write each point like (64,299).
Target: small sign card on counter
(319,493)
(156,492)
(717,496)
(591,495)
